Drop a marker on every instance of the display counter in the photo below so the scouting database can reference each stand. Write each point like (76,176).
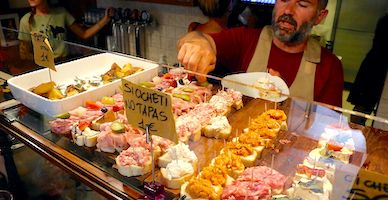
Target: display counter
(306,124)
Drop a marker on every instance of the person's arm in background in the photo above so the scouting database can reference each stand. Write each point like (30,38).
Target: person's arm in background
(25,50)
(87,33)
(24,36)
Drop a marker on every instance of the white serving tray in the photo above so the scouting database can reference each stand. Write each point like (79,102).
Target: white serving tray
(66,72)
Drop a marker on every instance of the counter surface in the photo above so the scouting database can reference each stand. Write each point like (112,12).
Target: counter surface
(96,168)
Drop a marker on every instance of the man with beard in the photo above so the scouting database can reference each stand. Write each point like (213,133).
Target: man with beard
(284,49)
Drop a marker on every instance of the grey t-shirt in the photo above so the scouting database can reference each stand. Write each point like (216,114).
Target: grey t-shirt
(53,25)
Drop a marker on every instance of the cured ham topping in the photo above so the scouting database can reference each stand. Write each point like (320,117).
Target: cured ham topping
(61,126)
(269,176)
(185,125)
(222,96)
(215,174)
(239,148)
(309,172)
(180,106)
(157,141)
(199,188)
(108,141)
(241,190)
(138,156)
(236,95)
(82,113)
(203,112)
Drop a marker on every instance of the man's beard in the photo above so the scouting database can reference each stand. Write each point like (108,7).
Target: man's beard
(291,36)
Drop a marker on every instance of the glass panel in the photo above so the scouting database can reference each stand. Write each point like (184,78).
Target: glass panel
(313,130)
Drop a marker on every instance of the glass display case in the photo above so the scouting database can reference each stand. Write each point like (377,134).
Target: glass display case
(317,150)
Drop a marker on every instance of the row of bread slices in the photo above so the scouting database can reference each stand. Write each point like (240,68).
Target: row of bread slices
(92,114)
(260,134)
(178,164)
(227,176)
(314,178)
(111,132)
(209,118)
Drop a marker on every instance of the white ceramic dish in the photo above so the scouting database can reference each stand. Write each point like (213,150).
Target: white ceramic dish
(249,80)
(66,72)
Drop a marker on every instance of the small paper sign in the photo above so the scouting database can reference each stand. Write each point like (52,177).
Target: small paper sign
(146,107)
(369,185)
(43,53)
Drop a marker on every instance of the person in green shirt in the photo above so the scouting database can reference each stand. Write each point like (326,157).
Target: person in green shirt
(54,23)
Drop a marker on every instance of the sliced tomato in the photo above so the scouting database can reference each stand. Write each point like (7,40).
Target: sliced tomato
(173,83)
(190,77)
(168,76)
(83,124)
(116,108)
(334,146)
(92,105)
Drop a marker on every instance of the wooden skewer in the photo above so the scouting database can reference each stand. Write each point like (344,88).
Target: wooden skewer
(351,197)
(315,162)
(51,79)
(272,162)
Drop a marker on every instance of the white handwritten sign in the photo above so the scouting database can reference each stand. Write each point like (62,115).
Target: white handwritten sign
(145,107)
(43,53)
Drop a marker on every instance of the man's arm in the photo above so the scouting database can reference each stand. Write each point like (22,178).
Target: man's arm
(197,52)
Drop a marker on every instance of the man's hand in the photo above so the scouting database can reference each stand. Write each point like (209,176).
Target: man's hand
(273,72)
(197,53)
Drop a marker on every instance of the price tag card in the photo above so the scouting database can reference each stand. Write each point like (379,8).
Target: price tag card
(43,53)
(146,107)
(370,185)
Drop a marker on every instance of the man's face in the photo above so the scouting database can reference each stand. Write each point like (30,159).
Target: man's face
(292,20)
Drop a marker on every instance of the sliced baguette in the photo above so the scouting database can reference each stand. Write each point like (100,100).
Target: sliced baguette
(231,173)
(218,127)
(196,135)
(209,131)
(283,126)
(258,149)
(248,161)
(133,170)
(217,189)
(238,104)
(165,159)
(174,183)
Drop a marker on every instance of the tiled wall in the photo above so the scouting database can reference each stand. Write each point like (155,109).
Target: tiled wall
(170,23)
